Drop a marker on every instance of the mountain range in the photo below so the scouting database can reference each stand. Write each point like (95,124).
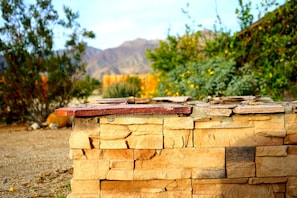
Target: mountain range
(128,58)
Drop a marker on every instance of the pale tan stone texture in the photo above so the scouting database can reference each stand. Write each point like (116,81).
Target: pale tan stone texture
(232,137)
(292,150)
(146,129)
(217,112)
(87,154)
(178,123)
(117,174)
(208,173)
(185,158)
(151,188)
(277,151)
(262,108)
(113,144)
(79,140)
(122,164)
(224,123)
(144,154)
(290,139)
(169,185)
(291,187)
(291,123)
(240,169)
(167,194)
(90,169)
(279,195)
(130,120)
(82,129)
(117,154)
(145,142)
(85,186)
(231,190)
(276,166)
(114,132)
(179,138)
(149,136)
(162,173)
(267,180)
(279,187)
(272,127)
(222,181)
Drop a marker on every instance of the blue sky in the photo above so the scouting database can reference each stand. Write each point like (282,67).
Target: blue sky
(117,21)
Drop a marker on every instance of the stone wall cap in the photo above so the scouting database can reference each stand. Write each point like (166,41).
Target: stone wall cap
(261,108)
(112,109)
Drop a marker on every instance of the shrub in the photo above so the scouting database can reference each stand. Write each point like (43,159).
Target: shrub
(130,87)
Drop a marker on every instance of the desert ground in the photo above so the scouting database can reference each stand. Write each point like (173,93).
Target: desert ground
(34,163)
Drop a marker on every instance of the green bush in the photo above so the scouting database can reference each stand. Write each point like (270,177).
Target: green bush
(216,76)
(130,87)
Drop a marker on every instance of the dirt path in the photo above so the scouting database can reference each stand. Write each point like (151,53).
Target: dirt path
(34,163)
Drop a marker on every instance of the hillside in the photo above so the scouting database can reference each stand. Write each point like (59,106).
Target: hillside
(128,58)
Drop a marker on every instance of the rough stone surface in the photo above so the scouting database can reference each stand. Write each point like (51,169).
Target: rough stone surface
(216,151)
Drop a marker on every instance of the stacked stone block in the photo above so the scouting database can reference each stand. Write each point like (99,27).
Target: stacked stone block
(217,151)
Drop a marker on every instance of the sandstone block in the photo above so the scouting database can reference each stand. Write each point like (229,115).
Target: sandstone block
(292,150)
(240,169)
(145,137)
(265,108)
(224,123)
(168,185)
(88,125)
(240,154)
(178,138)
(117,154)
(80,140)
(290,139)
(82,129)
(144,154)
(207,173)
(90,169)
(113,144)
(232,137)
(130,120)
(273,127)
(185,158)
(279,151)
(291,123)
(222,181)
(291,187)
(116,174)
(276,166)
(167,194)
(145,142)
(114,132)
(216,111)
(231,190)
(147,129)
(161,173)
(122,164)
(85,186)
(279,195)
(178,123)
(265,180)
(80,154)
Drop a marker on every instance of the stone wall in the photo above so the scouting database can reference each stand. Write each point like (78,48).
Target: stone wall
(210,151)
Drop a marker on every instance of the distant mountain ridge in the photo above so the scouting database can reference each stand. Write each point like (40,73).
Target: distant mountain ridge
(128,58)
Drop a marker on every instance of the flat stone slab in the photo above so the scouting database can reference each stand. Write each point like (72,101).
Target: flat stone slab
(97,110)
(262,108)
